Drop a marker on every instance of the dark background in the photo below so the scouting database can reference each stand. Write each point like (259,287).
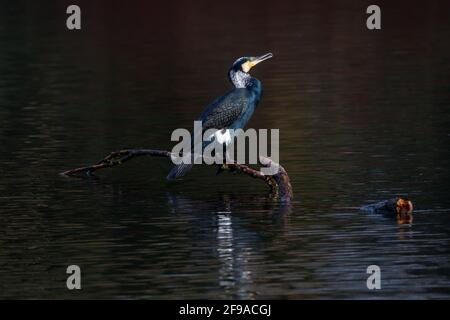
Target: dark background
(363,116)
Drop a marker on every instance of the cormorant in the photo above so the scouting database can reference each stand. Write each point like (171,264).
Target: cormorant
(233,109)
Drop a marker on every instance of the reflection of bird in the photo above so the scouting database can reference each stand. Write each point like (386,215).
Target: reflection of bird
(232,110)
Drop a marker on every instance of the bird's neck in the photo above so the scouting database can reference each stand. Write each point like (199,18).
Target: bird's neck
(242,79)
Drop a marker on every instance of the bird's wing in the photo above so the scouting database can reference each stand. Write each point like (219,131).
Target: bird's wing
(225,110)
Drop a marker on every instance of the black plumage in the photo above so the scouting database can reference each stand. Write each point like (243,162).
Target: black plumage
(233,109)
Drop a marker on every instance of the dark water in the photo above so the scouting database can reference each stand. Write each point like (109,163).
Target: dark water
(363,116)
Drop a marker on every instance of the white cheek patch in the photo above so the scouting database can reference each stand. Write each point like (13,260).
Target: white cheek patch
(246,67)
(223,137)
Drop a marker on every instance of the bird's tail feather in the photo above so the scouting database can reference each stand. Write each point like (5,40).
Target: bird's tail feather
(178,171)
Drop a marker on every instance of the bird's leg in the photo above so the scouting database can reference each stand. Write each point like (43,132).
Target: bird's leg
(222,166)
(227,159)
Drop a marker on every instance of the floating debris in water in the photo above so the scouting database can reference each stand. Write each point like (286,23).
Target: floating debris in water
(401,207)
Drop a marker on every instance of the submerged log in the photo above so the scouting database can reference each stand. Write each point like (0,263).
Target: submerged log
(279,183)
(400,207)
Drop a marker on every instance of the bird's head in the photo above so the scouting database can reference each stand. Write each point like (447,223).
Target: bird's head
(238,73)
(244,64)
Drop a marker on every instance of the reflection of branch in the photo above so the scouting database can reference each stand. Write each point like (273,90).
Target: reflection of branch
(279,183)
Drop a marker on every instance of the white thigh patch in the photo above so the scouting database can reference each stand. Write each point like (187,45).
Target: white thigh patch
(223,137)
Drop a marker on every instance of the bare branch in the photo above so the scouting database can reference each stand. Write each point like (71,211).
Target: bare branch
(278,183)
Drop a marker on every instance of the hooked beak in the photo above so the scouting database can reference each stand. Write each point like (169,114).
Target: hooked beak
(254,61)
(262,58)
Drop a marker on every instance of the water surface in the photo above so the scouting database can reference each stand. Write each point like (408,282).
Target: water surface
(363,116)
